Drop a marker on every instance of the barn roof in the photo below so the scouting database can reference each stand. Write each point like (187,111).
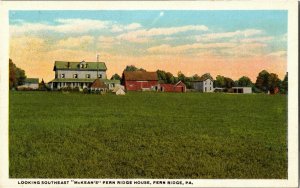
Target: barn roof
(140,76)
(76,65)
(98,84)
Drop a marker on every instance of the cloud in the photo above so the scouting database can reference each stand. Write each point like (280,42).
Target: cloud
(106,42)
(257,39)
(142,34)
(62,26)
(75,42)
(223,35)
(165,48)
(70,26)
(278,54)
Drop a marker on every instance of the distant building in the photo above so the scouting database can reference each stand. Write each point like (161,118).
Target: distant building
(98,85)
(139,80)
(80,74)
(178,87)
(241,89)
(30,83)
(119,91)
(203,85)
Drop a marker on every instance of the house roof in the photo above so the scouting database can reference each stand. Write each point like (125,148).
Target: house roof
(32,80)
(98,84)
(76,65)
(140,76)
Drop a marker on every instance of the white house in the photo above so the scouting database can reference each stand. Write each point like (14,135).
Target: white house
(203,85)
(80,74)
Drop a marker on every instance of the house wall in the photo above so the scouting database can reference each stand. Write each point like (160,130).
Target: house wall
(247,90)
(138,85)
(81,73)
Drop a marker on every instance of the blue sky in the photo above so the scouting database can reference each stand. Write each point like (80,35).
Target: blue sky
(185,40)
(273,22)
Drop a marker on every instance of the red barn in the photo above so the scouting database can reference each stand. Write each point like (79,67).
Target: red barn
(179,87)
(139,80)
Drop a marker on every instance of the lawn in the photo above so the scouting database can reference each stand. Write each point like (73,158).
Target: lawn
(147,135)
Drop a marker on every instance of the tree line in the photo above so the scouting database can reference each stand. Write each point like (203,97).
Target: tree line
(265,81)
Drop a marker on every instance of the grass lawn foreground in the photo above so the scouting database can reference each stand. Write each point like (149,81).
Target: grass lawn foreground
(147,135)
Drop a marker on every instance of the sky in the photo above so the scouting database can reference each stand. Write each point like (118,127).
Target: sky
(229,42)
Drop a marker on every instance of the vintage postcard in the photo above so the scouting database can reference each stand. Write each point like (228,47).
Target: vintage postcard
(149,94)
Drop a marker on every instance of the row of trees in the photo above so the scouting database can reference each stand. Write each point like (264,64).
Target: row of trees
(265,81)
(17,76)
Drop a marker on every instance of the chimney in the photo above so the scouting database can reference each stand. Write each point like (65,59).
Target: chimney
(98,57)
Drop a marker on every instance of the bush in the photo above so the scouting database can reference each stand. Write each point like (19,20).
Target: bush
(86,91)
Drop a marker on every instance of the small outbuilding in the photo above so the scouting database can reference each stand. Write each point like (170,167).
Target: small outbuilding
(98,86)
(30,83)
(178,87)
(242,90)
(119,91)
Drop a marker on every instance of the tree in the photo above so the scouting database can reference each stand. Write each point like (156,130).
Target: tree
(195,77)
(244,81)
(181,76)
(262,82)
(273,82)
(162,77)
(17,76)
(284,84)
(229,83)
(170,78)
(220,81)
(206,76)
(133,68)
(115,77)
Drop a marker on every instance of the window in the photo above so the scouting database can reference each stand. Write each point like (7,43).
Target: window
(62,76)
(88,76)
(100,76)
(81,66)
(75,75)
(85,65)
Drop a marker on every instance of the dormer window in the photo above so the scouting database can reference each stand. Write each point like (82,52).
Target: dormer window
(100,76)
(83,64)
(75,75)
(62,76)
(88,76)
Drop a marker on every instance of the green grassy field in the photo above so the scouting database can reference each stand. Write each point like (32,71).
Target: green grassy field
(147,135)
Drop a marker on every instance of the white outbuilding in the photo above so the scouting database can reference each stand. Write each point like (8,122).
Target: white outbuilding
(242,89)
(119,91)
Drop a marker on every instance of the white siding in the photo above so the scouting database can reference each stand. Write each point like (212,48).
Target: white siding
(81,74)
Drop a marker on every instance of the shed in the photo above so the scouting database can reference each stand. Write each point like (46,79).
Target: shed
(98,85)
(242,90)
(178,87)
(119,91)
